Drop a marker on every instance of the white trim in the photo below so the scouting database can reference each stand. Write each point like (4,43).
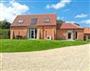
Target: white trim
(72,35)
(30,31)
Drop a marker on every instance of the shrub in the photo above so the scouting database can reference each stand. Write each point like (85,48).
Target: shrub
(4,33)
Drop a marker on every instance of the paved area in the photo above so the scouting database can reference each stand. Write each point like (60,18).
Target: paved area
(73,58)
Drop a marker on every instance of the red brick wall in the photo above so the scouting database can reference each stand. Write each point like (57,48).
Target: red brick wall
(21,31)
(80,35)
(62,34)
(46,31)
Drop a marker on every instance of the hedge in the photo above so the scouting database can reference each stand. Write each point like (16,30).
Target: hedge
(4,33)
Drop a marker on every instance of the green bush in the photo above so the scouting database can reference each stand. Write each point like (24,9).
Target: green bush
(4,33)
(5,24)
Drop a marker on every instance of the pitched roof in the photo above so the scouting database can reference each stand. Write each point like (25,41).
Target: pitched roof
(86,30)
(69,26)
(27,19)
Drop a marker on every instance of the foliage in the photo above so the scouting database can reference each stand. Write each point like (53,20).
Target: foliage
(60,21)
(4,24)
(4,33)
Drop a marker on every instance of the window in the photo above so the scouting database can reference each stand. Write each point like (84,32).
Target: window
(33,20)
(20,21)
(75,35)
(46,20)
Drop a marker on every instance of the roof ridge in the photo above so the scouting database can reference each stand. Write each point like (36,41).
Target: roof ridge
(37,14)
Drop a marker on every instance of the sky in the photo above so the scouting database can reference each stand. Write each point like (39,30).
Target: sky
(71,11)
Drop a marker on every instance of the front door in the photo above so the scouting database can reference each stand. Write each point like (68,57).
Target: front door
(69,35)
(32,33)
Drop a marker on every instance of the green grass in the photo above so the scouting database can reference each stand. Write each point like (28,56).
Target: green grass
(7,45)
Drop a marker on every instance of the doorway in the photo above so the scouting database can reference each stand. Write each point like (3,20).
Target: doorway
(69,35)
(33,33)
(75,35)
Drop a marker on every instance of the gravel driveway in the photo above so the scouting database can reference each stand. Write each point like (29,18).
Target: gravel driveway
(73,58)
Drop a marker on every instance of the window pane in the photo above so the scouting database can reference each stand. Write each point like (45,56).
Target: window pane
(46,20)
(33,20)
(20,21)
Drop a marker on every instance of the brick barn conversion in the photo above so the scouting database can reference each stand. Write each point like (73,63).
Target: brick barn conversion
(44,26)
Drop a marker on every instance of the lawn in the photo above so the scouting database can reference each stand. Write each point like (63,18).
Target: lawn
(7,45)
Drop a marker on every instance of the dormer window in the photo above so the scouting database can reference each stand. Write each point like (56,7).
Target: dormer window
(20,21)
(34,21)
(46,20)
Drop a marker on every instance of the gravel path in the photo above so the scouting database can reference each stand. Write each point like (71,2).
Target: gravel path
(73,58)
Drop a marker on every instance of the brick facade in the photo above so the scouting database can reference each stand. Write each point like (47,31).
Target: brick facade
(44,27)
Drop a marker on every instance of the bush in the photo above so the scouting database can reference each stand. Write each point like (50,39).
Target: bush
(4,24)
(4,33)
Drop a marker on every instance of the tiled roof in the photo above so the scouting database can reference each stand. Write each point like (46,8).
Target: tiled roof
(27,19)
(86,30)
(69,26)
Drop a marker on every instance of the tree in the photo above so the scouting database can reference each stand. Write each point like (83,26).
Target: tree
(5,25)
(77,24)
(60,21)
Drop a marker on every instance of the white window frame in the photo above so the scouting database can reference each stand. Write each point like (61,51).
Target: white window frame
(46,20)
(20,21)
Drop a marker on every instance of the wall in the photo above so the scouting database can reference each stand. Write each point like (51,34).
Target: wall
(21,31)
(80,34)
(62,34)
(47,31)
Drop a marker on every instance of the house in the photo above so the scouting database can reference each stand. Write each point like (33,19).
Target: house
(44,26)
(34,26)
(69,31)
(86,33)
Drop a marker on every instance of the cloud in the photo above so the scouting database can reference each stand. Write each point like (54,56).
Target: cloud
(59,5)
(58,18)
(85,21)
(70,21)
(82,15)
(12,10)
